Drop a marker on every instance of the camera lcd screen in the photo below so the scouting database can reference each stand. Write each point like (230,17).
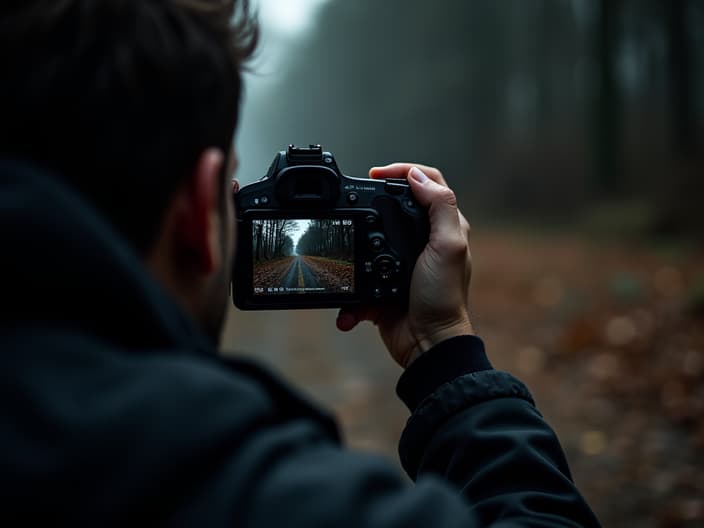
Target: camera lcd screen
(303,256)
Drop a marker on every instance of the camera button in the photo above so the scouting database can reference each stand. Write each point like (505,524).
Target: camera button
(264,200)
(378,293)
(353,198)
(394,292)
(371,219)
(377,242)
(384,266)
(394,188)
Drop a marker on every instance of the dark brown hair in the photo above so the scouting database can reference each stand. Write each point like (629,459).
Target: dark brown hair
(119,97)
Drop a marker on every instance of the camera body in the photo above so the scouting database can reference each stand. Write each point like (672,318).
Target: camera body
(310,237)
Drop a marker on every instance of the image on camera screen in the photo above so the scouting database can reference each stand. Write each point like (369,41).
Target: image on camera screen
(303,256)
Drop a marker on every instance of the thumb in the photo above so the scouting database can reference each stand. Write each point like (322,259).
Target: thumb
(440,202)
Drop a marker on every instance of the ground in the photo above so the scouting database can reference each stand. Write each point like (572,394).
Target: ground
(608,335)
(304,272)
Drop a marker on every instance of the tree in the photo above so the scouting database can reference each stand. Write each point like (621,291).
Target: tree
(271,239)
(681,82)
(607,129)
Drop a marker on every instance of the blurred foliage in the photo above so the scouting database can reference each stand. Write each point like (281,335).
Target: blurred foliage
(542,107)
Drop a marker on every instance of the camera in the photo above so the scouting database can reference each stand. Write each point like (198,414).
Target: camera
(310,237)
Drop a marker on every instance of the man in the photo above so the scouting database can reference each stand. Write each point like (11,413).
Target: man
(118,227)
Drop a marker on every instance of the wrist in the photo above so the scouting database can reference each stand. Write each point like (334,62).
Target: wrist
(425,341)
(448,360)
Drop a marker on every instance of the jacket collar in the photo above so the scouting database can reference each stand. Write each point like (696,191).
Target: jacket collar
(63,264)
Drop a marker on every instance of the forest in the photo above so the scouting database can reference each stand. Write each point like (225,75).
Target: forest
(328,238)
(578,111)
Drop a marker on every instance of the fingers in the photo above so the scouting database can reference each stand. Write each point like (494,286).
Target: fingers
(235,186)
(442,208)
(400,170)
(346,320)
(403,170)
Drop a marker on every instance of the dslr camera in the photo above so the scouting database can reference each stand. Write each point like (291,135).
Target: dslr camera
(310,237)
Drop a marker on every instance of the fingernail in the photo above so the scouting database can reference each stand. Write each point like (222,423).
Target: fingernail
(418,175)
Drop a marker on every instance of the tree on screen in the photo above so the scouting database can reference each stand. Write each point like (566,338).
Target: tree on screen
(271,239)
(327,238)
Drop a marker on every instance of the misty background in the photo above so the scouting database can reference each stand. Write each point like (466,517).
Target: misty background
(547,108)
(572,133)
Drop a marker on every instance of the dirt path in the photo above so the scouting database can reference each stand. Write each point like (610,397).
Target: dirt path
(609,337)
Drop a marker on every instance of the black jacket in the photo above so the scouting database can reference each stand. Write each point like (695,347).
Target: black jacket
(117,411)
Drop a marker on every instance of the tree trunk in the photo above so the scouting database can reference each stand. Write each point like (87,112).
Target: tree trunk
(607,128)
(684,126)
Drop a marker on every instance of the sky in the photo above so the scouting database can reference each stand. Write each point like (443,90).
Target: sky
(288,17)
(284,23)
(301,227)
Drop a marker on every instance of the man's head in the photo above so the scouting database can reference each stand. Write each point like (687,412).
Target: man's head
(134,104)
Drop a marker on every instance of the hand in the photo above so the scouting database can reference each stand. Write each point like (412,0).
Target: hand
(438,305)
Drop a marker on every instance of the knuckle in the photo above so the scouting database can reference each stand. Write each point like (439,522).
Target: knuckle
(466,229)
(453,247)
(448,196)
(435,174)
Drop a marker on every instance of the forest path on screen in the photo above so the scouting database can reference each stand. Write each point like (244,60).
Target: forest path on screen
(305,273)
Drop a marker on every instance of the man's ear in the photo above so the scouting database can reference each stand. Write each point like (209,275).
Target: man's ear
(198,218)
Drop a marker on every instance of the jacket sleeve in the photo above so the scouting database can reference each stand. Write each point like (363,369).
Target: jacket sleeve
(479,430)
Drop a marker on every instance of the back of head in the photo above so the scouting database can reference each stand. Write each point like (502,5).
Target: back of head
(119,97)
